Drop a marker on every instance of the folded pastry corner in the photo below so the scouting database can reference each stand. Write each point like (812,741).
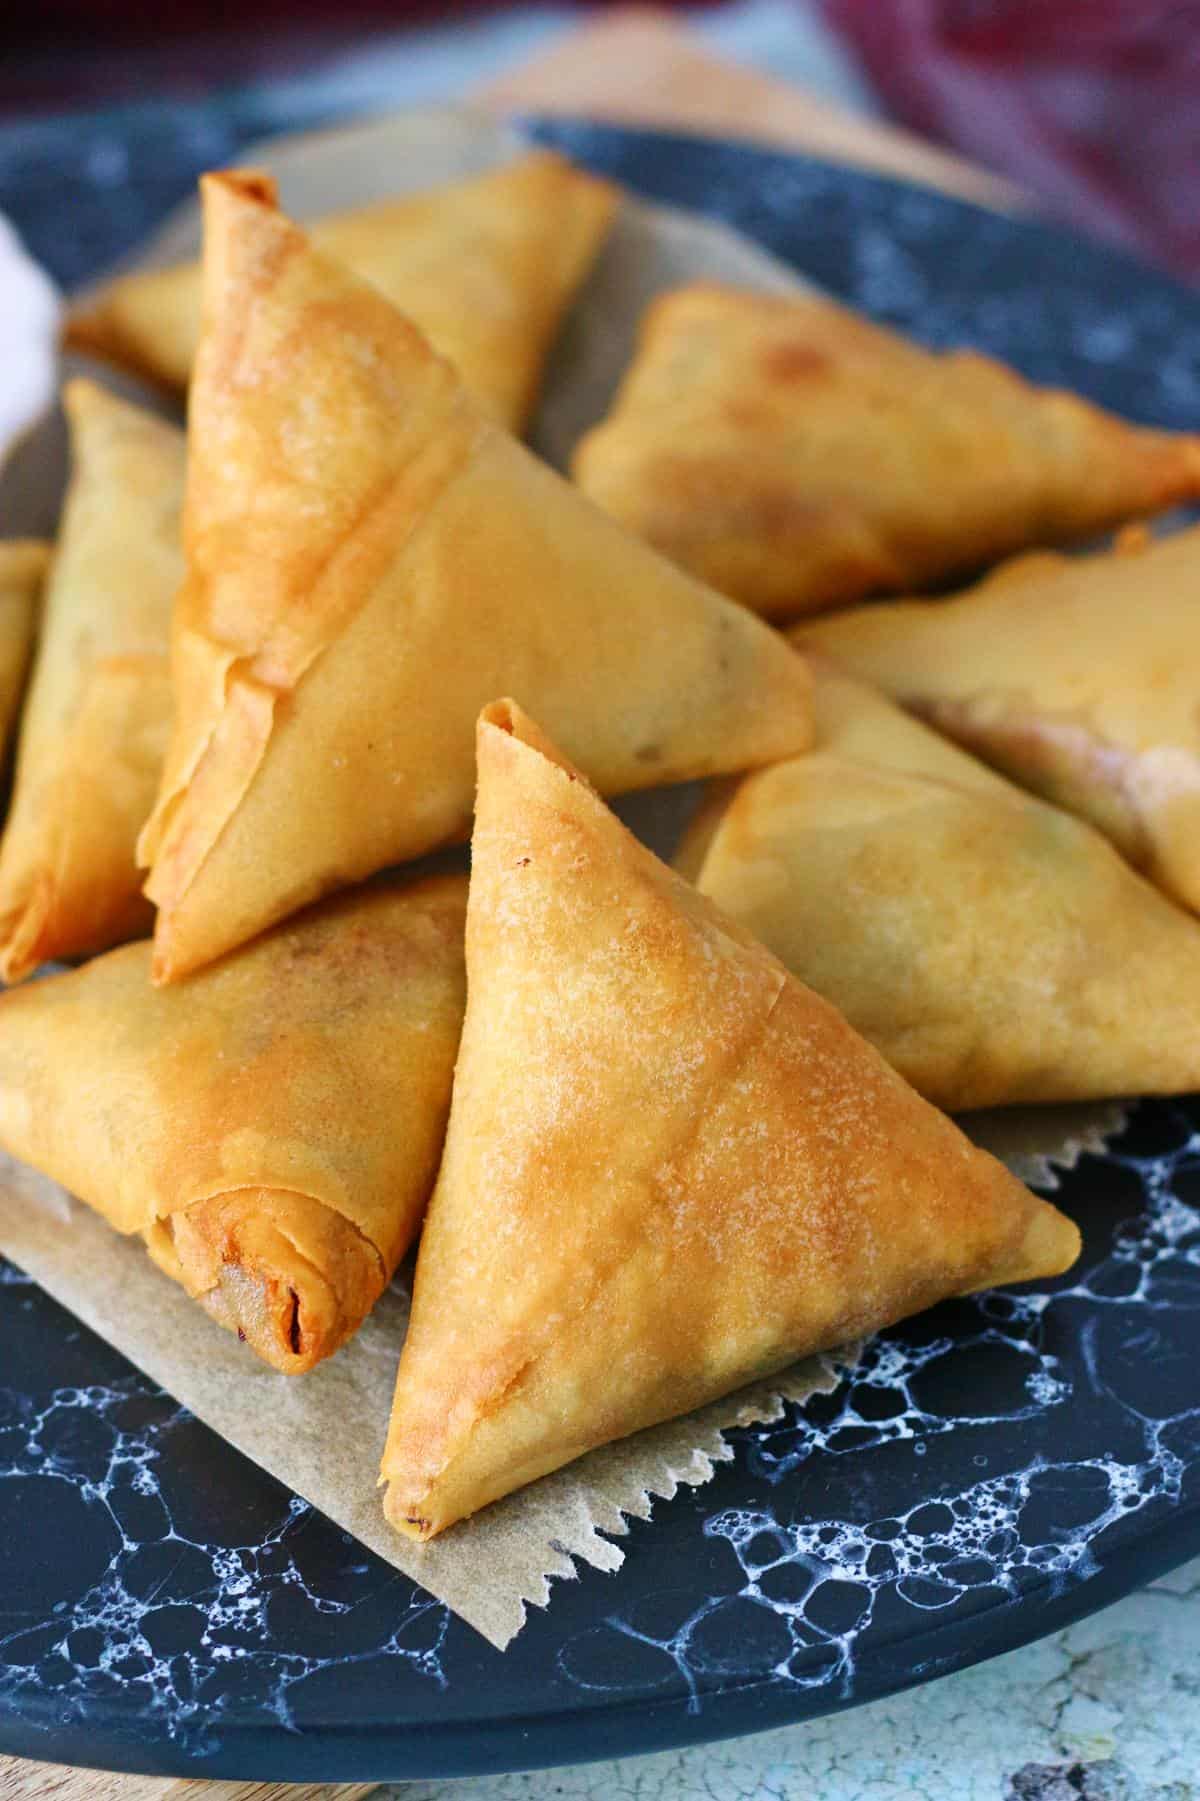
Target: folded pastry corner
(97,717)
(289,1274)
(486,267)
(369,560)
(798,457)
(993,949)
(669,1167)
(1072,675)
(272,1127)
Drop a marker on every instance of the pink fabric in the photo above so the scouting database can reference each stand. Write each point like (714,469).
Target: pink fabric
(1093,105)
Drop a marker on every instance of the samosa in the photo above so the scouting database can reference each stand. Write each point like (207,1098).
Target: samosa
(271,1127)
(23,566)
(96,723)
(992,948)
(485,267)
(669,1167)
(1071,675)
(369,561)
(798,457)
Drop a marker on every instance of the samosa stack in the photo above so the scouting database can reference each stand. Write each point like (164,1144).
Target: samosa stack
(652,1132)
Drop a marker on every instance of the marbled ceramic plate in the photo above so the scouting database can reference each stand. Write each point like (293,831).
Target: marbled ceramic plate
(991,1471)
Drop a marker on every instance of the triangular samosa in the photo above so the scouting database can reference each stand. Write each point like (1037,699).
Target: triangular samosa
(23,566)
(992,948)
(1072,675)
(271,1127)
(370,560)
(98,716)
(485,267)
(669,1167)
(798,457)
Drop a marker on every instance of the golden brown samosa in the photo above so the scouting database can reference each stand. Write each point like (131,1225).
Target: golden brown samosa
(1073,676)
(98,716)
(798,457)
(669,1168)
(992,948)
(271,1127)
(485,267)
(370,560)
(23,566)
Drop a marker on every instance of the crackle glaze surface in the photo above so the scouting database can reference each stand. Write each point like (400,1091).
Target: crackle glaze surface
(989,1472)
(1103,1711)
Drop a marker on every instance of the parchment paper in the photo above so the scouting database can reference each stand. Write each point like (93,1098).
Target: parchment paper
(322,1434)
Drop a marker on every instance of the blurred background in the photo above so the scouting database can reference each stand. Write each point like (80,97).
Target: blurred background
(1087,111)
(1091,106)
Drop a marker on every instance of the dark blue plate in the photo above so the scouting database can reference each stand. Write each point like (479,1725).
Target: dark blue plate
(993,1470)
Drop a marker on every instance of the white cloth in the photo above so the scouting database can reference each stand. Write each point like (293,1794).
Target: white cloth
(29,309)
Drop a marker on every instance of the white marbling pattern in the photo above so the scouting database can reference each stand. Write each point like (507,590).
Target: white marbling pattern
(1108,1710)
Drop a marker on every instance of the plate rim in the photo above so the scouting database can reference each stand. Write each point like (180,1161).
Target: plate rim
(264,1752)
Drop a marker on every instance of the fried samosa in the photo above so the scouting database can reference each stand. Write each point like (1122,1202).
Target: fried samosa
(23,566)
(798,457)
(485,267)
(992,948)
(370,560)
(669,1167)
(1071,675)
(98,716)
(271,1127)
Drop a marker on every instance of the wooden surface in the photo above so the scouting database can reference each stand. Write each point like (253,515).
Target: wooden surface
(20,1781)
(636,67)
